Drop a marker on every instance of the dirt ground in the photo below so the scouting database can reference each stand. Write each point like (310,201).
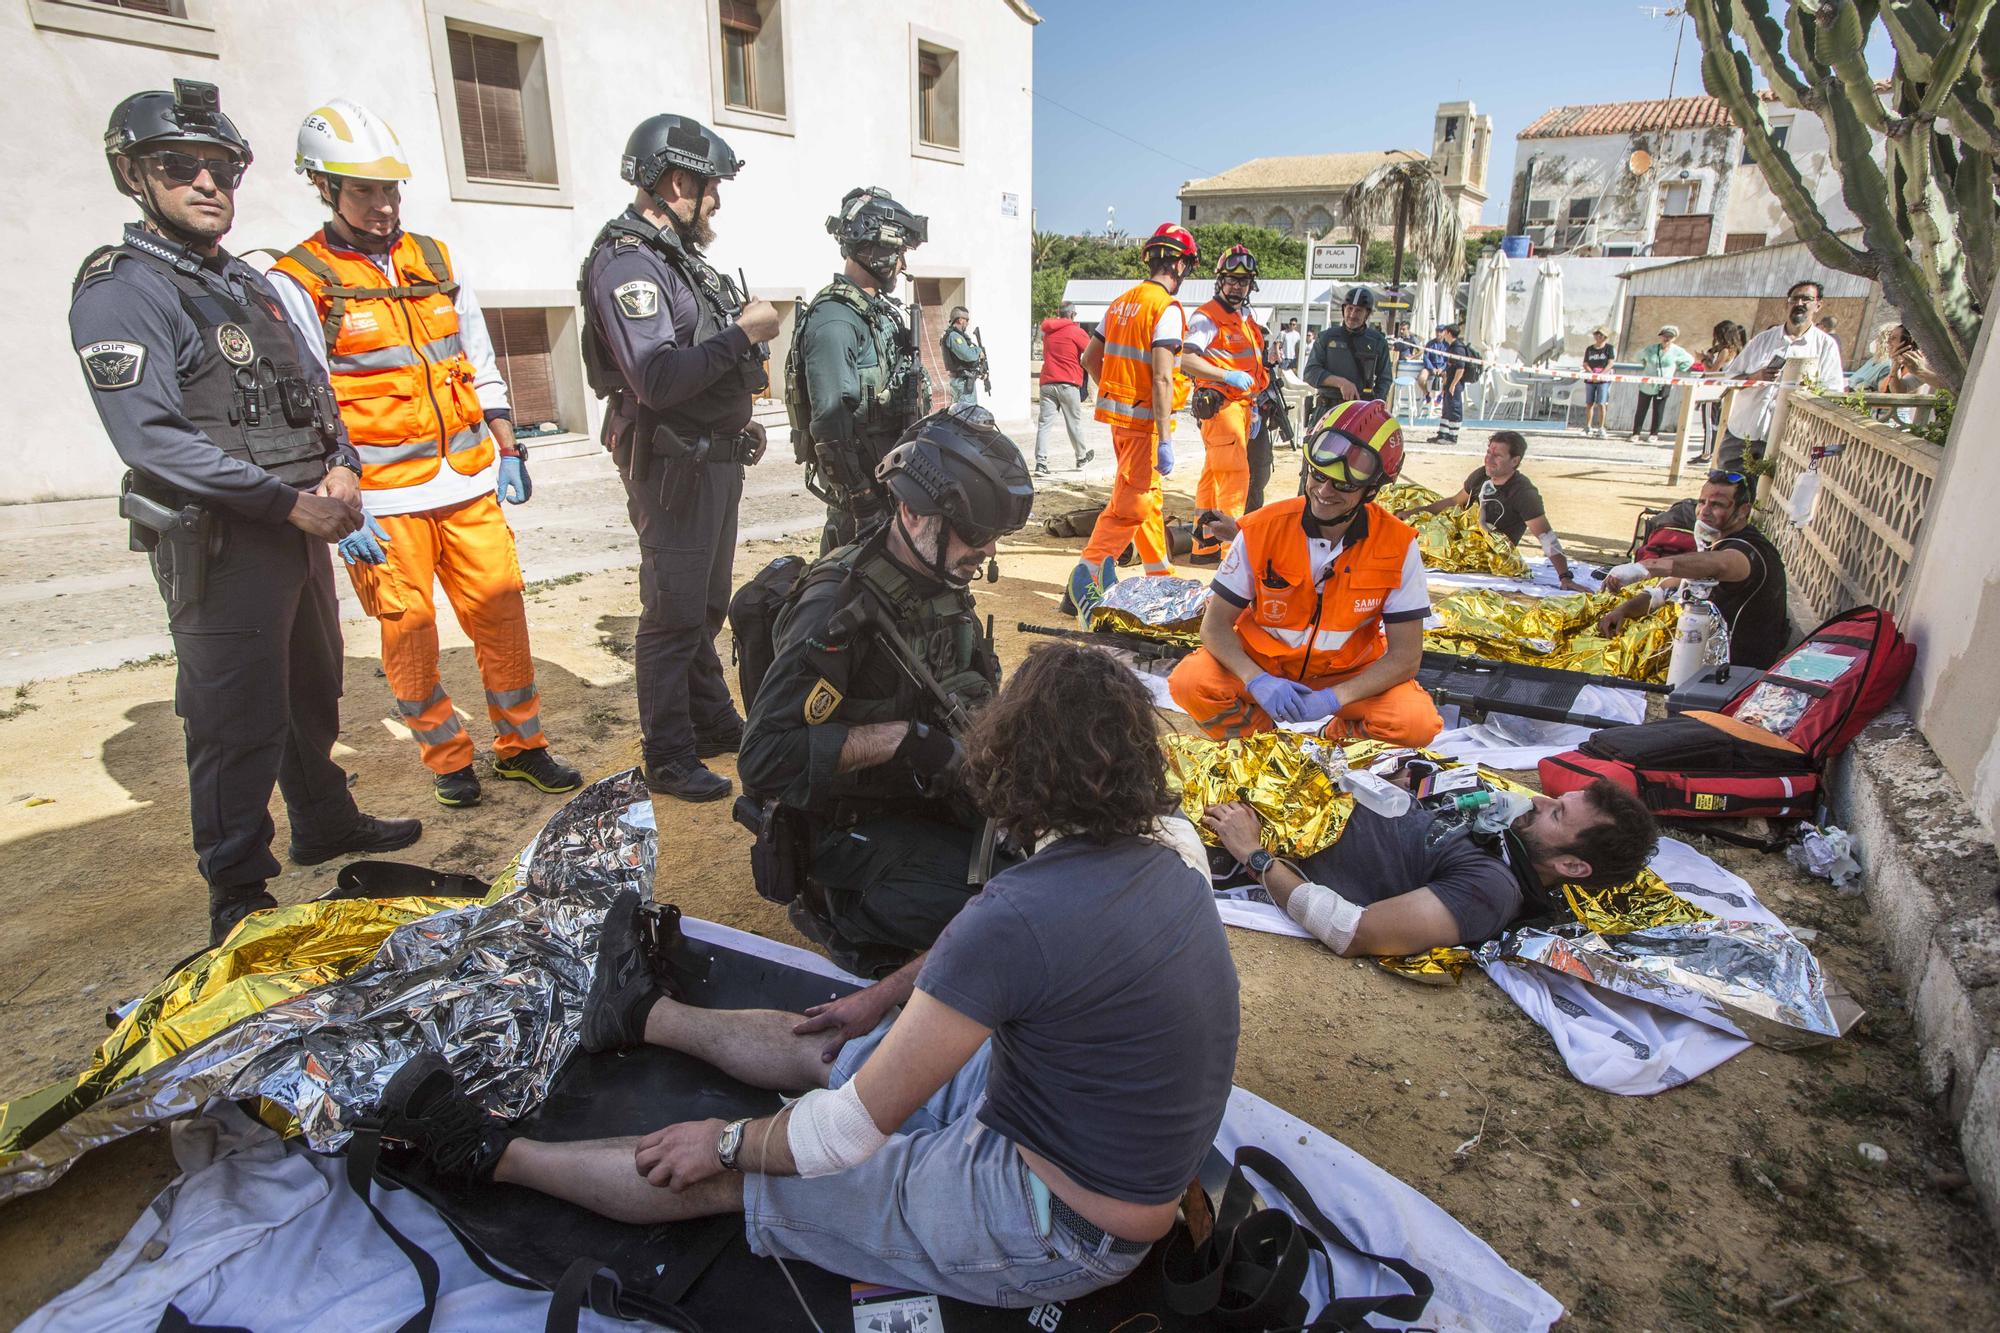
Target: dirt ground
(1737,1201)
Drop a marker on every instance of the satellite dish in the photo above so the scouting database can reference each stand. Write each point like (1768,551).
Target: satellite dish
(1640,162)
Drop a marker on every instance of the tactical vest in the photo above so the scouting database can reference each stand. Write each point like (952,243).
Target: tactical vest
(1352,354)
(895,390)
(249,393)
(939,626)
(717,304)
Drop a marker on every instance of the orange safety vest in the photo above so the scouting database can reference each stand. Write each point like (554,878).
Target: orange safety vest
(1292,628)
(1125,389)
(404,382)
(1238,345)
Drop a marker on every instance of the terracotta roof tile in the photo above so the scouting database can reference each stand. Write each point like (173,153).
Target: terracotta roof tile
(1679,113)
(1314,171)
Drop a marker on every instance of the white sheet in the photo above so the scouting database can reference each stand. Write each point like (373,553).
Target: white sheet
(1608,1040)
(268,1239)
(1541,580)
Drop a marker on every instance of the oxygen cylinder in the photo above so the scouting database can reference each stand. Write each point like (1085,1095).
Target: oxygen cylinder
(1697,626)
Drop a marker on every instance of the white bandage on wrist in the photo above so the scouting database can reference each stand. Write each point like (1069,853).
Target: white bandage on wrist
(1631,572)
(832,1131)
(1656,597)
(1551,544)
(1327,917)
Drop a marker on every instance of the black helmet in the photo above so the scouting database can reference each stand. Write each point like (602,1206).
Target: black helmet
(191,113)
(1361,296)
(868,216)
(661,143)
(959,464)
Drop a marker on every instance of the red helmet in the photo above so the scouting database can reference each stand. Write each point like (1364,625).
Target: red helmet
(1172,240)
(1357,445)
(1237,259)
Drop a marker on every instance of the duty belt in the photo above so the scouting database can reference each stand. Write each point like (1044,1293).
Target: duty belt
(733,448)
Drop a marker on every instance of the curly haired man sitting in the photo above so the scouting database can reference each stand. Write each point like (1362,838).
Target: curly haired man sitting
(1022,1131)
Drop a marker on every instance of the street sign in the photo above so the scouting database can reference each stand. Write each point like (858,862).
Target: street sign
(1336,261)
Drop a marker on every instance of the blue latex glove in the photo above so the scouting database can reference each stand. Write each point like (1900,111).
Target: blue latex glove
(1165,458)
(1285,700)
(364,543)
(1322,703)
(1238,379)
(515,486)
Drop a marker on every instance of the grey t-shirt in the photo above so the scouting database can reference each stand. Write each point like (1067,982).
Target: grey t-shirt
(1105,976)
(1379,858)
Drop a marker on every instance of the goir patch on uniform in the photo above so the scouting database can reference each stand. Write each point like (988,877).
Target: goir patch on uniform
(112,365)
(234,344)
(821,702)
(638,299)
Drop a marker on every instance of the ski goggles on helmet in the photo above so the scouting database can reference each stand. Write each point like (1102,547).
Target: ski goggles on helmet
(186,168)
(1342,462)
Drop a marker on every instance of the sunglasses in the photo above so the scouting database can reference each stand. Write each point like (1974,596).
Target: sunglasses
(186,168)
(1723,478)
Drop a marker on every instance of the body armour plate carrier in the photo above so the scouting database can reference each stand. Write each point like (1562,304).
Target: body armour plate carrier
(717,304)
(895,391)
(249,394)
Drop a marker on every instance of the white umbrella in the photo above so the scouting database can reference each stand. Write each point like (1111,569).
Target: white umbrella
(1486,315)
(1542,327)
(1423,319)
(1447,307)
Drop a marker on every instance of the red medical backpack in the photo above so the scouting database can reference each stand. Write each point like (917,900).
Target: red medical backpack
(1764,753)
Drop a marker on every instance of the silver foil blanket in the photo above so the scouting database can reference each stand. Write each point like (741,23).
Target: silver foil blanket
(497,988)
(1749,978)
(1163,603)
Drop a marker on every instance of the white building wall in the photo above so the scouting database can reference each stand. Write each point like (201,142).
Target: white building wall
(1628,205)
(1754,208)
(613,64)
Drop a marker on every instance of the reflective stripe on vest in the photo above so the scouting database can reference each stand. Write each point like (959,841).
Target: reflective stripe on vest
(1125,389)
(396,359)
(1238,345)
(1303,632)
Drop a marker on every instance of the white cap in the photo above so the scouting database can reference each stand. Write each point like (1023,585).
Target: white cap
(344,138)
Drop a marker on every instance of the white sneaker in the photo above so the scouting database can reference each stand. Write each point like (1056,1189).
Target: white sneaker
(1652,438)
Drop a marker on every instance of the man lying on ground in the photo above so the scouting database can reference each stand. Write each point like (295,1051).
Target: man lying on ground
(1388,887)
(1318,606)
(1509,504)
(1022,1132)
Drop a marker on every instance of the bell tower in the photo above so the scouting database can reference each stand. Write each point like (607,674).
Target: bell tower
(1461,140)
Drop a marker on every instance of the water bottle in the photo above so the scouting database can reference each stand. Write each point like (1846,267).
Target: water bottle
(1370,791)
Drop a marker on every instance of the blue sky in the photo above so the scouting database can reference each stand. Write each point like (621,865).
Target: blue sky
(1348,75)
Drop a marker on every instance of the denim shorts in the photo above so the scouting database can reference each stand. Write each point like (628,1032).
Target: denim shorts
(1594,391)
(945,1206)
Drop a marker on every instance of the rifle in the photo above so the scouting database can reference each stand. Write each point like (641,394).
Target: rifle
(864,613)
(982,369)
(1477,683)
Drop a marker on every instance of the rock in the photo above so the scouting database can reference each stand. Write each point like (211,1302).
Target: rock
(1871,1154)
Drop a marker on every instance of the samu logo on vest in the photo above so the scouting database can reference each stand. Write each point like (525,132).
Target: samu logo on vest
(234,344)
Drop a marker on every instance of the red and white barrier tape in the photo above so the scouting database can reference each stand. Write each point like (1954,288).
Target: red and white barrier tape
(1590,376)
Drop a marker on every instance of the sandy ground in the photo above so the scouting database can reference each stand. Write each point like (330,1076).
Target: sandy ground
(1738,1201)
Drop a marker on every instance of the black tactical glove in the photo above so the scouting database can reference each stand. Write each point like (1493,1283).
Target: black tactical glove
(930,752)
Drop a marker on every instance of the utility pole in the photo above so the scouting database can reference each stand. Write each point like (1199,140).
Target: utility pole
(1680,32)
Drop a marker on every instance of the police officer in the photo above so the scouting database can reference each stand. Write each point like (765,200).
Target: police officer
(964,359)
(241,473)
(841,736)
(854,381)
(1350,360)
(672,346)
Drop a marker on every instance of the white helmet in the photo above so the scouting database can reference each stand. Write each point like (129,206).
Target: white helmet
(344,138)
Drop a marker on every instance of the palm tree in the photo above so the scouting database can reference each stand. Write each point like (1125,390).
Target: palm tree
(1409,197)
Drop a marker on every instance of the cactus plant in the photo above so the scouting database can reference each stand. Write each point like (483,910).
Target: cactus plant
(1924,198)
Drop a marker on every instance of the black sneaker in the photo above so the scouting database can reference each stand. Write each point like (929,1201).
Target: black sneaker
(1042,470)
(623,989)
(718,740)
(226,908)
(540,770)
(369,834)
(424,1107)
(688,781)
(1088,454)
(457,789)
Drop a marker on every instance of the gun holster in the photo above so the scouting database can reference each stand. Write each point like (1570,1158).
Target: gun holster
(181,540)
(778,859)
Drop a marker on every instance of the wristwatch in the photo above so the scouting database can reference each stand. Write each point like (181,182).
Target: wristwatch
(1259,863)
(731,1144)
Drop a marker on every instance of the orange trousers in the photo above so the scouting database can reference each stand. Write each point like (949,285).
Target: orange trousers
(1225,467)
(470,550)
(1222,706)
(1136,514)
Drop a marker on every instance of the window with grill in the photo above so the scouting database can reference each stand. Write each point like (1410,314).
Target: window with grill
(521,345)
(492,125)
(166,8)
(1541,210)
(1583,210)
(937,96)
(1678,198)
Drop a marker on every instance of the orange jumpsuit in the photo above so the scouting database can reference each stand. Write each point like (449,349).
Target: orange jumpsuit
(1321,635)
(1238,344)
(1136,514)
(408,398)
